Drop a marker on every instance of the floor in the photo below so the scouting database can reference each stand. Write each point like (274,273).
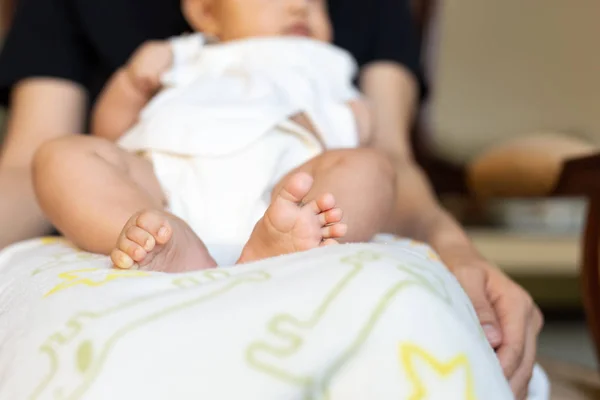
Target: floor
(567,341)
(566,352)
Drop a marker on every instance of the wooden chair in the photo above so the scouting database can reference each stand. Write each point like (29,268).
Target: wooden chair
(564,176)
(6,13)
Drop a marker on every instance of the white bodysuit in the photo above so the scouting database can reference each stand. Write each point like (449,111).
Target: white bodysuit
(219,134)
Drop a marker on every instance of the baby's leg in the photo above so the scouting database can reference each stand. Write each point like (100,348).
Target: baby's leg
(90,189)
(363,182)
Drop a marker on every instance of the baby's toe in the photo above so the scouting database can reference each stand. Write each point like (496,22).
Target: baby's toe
(329,242)
(296,187)
(121,260)
(131,249)
(156,224)
(334,231)
(141,237)
(331,217)
(326,202)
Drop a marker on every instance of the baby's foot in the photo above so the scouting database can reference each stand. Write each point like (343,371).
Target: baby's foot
(159,241)
(289,226)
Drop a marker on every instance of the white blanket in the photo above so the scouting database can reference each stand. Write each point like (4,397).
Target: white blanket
(348,322)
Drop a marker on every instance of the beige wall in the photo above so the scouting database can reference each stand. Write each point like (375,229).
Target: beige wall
(508,67)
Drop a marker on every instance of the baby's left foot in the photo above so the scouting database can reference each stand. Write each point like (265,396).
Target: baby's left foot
(158,241)
(288,226)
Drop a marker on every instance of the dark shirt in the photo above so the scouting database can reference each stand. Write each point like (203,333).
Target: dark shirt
(85,41)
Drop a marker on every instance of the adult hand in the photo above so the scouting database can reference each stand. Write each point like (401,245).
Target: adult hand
(509,317)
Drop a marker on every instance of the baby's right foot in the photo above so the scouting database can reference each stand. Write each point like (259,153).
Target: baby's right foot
(159,241)
(289,226)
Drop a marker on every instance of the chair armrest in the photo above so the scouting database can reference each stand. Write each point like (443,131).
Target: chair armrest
(579,177)
(6,13)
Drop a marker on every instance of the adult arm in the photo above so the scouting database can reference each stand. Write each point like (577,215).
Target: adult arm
(507,313)
(35,117)
(44,88)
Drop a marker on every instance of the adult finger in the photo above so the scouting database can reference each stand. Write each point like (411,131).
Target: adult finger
(474,283)
(514,312)
(522,377)
(519,382)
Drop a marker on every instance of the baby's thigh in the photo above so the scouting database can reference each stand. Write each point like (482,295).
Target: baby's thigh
(91,156)
(134,166)
(361,164)
(142,171)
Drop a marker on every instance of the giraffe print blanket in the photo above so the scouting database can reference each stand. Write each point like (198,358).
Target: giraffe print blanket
(368,321)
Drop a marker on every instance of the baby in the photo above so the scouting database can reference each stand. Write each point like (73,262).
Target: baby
(245,137)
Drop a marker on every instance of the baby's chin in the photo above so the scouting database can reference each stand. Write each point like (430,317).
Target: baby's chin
(305,36)
(282,34)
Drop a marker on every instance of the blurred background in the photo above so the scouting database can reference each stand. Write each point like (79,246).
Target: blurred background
(515,92)
(508,135)
(512,76)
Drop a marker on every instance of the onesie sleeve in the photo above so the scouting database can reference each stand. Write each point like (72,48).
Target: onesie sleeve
(185,48)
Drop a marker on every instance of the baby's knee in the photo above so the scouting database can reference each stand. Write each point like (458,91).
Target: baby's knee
(69,149)
(51,155)
(59,156)
(371,162)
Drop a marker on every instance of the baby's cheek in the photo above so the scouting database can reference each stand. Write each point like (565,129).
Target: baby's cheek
(321,26)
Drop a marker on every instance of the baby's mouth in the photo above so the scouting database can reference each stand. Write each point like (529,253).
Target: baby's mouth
(299,29)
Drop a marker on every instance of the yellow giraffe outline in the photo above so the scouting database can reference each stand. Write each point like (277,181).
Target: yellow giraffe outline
(408,352)
(72,278)
(75,327)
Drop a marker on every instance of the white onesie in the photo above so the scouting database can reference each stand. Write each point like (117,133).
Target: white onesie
(219,134)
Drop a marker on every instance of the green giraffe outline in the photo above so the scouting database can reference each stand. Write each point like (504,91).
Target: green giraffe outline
(468,305)
(213,275)
(380,309)
(365,332)
(75,327)
(58,261)
(218,274)
(293,341)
